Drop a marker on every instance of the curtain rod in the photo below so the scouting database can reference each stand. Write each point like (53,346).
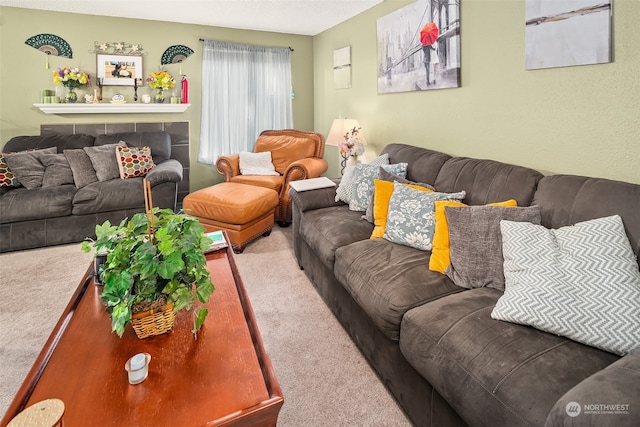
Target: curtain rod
(290,48)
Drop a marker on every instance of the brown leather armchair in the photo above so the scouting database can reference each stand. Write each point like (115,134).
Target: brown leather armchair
(295,154)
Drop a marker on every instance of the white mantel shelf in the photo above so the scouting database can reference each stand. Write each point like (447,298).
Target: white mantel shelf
(108,108)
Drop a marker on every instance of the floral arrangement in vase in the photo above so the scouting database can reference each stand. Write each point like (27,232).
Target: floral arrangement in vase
(71,78)
(351,147)
(160,81)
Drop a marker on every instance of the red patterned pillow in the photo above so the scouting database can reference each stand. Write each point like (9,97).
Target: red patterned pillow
(7,178)
(134,161)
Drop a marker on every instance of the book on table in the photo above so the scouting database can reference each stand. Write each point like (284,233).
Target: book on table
(219,242)
(312,184)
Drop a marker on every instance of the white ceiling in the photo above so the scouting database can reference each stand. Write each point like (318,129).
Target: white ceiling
(306,17)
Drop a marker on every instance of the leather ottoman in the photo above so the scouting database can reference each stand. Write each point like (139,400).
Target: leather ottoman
(245,212)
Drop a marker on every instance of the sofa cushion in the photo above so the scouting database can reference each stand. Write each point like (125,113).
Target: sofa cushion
(159,142)
(493,373)
(328,229)
(62,142)
(386,280)
(568,199)
(424,164)
(104,160)
(410,216)
(476,242)
(578,281)
(27,166)
(81,167)
(112,195)
(285,148)
(21,204)
(486,181)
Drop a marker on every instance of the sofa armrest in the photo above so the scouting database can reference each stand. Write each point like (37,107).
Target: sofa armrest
(315,199)
(228,166)
(310,167)
(167,171)
(610,397)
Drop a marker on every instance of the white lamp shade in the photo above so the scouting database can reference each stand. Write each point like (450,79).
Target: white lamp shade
(339,129)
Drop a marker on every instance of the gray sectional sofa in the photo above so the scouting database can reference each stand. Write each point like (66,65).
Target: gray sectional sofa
(66,213)
(434,344)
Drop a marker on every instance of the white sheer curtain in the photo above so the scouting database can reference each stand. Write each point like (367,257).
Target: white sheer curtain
(245,90)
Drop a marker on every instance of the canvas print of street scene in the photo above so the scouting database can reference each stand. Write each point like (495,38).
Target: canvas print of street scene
(419,47)
(566,33)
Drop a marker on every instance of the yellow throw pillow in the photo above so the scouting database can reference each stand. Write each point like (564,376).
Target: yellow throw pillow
(440,259)
(382,195)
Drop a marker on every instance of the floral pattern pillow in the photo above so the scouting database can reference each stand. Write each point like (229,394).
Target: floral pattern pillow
(345,188)
(411,216)
(363,186)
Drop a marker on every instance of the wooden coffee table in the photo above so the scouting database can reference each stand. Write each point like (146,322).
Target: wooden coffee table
(224,378)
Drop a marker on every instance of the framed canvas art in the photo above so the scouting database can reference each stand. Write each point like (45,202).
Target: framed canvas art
(118,70)
(419,47)
(567,33)
(342,68)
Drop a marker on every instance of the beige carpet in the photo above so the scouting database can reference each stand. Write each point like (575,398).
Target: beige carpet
(324,378)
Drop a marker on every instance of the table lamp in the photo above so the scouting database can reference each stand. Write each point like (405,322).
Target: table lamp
(338,133)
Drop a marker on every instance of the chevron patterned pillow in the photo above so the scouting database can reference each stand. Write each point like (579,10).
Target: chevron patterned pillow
(580,281)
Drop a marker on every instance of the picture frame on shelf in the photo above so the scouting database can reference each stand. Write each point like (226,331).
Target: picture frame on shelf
(118,70)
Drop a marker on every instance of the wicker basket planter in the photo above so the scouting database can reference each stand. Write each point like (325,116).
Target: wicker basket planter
(153,322)
(152,258)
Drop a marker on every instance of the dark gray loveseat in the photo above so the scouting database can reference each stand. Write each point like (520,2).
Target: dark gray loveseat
(434,344)
(52,215)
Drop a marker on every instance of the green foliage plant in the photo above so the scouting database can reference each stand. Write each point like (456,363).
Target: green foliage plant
(154,255)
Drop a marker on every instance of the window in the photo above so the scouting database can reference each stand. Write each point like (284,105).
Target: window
(245,90)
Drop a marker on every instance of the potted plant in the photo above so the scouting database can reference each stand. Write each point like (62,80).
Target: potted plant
(155,262)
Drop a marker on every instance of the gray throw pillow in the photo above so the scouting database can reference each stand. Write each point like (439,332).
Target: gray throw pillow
(475,242)
(104,160)
(390,177)
(579,281)
(27,167)
(57,171)
(81,167)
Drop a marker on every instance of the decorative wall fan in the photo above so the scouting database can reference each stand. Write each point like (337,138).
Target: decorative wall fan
(175,54)
(50,44)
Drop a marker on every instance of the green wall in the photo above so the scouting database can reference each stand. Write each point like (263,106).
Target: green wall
(23,73)
(578,120)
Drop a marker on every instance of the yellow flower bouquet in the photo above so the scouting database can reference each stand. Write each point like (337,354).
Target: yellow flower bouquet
(71,77)
(161,80)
